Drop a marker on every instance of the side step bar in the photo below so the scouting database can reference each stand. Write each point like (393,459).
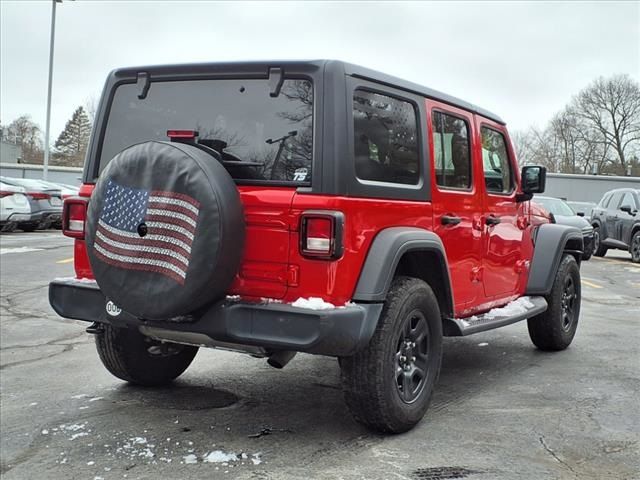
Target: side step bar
(520,309)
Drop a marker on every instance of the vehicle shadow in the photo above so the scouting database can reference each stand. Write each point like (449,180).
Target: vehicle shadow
(305,399)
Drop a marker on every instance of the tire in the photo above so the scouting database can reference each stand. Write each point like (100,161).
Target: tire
(28,228)
(634,249)
(599,250)
(165,230)
(370,378)
(126,354)
(587,254)
(555,328)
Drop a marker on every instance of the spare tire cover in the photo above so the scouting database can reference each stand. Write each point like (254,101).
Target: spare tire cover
(165,230)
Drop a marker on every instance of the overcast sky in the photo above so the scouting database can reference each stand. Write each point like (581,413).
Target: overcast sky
(521,60)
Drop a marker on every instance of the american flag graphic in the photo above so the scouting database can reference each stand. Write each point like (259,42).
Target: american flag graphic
(170,218)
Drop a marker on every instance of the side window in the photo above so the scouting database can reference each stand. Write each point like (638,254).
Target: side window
(605,201)
(615,201)
(451,151)
(498,176)
(386,139)
(628,200)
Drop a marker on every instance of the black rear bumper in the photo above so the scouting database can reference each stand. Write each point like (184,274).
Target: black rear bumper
(334,332)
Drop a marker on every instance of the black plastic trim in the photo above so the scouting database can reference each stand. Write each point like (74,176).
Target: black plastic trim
(550,244)
(334,332)
(384,255)
(460,327)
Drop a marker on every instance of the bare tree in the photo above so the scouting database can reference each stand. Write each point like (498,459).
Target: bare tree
(27,134)
(612,107)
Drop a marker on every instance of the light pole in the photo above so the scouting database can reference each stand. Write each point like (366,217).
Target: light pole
(47,129)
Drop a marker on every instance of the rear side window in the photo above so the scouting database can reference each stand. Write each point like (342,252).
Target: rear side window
(605,201)
(385,139)
(262,138)
(615,200)
(628,200)
(451,151)
(498,177)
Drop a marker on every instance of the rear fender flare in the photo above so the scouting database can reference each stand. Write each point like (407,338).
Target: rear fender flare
(383,258)
(551,242)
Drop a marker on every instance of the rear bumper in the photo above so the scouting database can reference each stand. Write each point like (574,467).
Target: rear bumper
(335,332)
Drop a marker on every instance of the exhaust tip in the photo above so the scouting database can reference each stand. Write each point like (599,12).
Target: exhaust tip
(280,358)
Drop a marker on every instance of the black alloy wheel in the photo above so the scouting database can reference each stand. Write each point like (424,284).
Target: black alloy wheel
(412,357)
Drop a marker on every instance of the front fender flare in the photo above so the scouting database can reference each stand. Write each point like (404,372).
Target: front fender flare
(550,244)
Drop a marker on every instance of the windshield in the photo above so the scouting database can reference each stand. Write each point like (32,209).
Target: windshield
(555,206)
(259,137)
(583,207)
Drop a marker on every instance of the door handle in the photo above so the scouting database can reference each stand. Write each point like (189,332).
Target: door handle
(450,220)
(492,220)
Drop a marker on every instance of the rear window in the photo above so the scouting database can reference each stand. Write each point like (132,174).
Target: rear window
(261,138)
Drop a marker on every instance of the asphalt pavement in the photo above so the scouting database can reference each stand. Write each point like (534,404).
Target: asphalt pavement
(502,409)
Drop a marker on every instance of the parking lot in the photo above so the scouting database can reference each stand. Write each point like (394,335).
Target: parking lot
(502,409)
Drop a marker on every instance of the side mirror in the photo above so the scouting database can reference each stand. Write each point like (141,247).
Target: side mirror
(628,209)
(580,214)
(534,179)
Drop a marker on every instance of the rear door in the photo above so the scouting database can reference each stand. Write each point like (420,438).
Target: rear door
(264,268)
(456,197)
(503,219)
(611,216)
(625,219)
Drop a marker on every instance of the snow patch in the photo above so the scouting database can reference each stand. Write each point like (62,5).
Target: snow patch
(269,300)
(218,456)
(483,344)
(190,458)
(517,307)
(78,435)
(82,395)
(96,398)
(76,280)
(256,458)
(313,303)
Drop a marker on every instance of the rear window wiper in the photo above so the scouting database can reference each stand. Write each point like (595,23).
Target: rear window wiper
(227,159)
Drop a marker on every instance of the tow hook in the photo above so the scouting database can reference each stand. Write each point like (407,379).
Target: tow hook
(96,328)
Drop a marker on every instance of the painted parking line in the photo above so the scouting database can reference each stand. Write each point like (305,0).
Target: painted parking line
(4,251)
(621,262)
(65,260)
(591,284)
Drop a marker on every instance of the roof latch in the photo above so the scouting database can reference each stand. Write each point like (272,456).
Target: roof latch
(143,84)
(276,79)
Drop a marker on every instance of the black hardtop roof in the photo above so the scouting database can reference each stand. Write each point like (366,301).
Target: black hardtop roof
(262,67)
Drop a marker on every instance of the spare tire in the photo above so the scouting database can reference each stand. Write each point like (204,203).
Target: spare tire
(165,230)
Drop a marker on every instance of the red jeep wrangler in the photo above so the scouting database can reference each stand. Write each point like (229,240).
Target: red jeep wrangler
(308,206)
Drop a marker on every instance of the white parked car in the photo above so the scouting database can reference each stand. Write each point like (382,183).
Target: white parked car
(14,207)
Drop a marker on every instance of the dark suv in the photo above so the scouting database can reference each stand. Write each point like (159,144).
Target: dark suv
(319,207)
(616,223)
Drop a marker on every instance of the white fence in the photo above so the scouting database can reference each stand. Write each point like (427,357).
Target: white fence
(585,188)
(68,175)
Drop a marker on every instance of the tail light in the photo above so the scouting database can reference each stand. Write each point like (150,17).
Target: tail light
(321,234)
(38,195)
(5,193)
(74,215)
